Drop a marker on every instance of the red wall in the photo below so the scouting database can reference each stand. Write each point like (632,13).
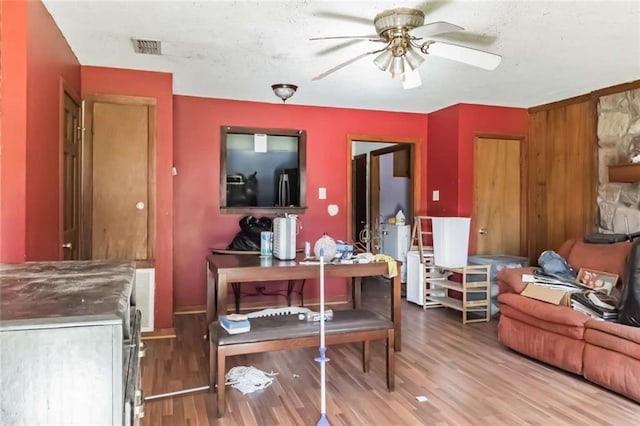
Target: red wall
(442,170)
(35,59)
(13,169)
(198,223)
(451,134)
(112,81)
(46,67)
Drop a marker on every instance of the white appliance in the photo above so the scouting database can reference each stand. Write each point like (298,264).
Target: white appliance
(145,296)
(395,240)
(284,237)
(415,279)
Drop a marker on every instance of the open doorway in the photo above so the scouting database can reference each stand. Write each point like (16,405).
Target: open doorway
(383,179)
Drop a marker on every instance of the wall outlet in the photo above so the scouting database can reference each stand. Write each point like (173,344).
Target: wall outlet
(436,195)
(322,193)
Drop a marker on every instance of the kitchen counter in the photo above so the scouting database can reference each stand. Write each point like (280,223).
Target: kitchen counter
(72,333)
(50,294)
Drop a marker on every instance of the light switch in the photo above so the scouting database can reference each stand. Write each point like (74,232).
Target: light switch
(436,195)
(322,193)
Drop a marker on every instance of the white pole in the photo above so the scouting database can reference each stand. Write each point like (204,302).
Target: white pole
(322,359)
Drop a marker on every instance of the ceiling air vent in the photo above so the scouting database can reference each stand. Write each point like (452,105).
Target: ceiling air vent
(149,47)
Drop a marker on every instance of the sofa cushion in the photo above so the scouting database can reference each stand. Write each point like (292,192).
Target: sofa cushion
(612,370)
(613,343)
(549,347)
(572,331)
(610,258)
(617,337)
(544,311)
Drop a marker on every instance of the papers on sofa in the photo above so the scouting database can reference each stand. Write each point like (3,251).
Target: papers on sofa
(551,282)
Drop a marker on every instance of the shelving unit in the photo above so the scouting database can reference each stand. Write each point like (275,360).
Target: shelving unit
(422,231)
(475,287)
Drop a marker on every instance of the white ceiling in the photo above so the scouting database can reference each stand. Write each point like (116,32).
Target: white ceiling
(236,49)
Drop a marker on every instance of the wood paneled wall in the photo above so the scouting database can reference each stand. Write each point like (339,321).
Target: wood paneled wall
(562,173)
(563,169)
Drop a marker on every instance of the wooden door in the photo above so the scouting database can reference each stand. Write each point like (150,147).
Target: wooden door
(497,196)
(359,185)
(120,220)
(71,155)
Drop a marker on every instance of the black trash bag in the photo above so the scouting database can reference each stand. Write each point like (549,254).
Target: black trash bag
(248,239)
(602,238)
(629,307)
(606,238)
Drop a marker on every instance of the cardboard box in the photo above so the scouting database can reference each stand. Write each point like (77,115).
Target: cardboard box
(546,294)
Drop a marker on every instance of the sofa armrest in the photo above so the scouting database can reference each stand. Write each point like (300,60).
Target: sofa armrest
(510,279)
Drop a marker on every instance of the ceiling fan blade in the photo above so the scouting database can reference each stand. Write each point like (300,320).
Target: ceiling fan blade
(364,37)
(338,47)
(344,64)
(435,28)
(477,58)
(469,38)
(344,17)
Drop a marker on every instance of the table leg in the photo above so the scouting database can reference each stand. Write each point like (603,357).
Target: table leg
(235,287)
(290,285)
(212,296)
(302,292)
(396,315)
(222,295)
(357,292)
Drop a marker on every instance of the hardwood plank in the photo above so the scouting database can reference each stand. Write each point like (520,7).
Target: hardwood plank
(468,377)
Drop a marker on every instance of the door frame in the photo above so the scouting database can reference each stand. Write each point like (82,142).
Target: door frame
(524,184)
(65,89)
(415,159)
(354,224)
(87,169)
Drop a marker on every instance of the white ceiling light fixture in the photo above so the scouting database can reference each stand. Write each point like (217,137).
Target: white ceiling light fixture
(411,79)
(284,91)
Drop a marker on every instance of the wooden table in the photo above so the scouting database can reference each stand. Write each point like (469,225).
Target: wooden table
(233,268)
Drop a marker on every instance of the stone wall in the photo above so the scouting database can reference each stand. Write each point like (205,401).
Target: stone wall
(618,143)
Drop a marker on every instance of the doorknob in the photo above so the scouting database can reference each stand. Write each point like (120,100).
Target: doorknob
(482,231)
(139,205)
(67,246)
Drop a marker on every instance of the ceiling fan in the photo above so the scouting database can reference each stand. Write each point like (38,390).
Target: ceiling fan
(406,36)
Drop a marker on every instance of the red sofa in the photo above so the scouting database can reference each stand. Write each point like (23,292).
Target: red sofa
(603,352)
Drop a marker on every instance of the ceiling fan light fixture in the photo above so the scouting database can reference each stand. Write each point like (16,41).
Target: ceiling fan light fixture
(284,91)
(383,60)
(413,59)
(411,79)
(397,66)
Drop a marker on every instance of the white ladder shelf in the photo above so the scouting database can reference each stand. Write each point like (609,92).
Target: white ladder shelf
(422,231)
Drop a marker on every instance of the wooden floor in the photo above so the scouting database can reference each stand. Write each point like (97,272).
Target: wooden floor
(466,375)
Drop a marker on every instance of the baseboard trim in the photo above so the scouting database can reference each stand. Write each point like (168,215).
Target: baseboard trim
(162,333)
(193,309)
